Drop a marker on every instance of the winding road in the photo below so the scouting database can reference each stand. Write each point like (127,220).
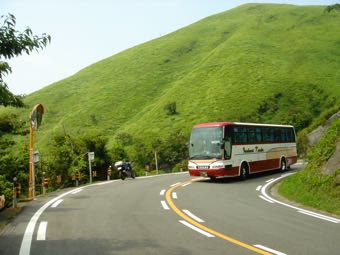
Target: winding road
(171,214)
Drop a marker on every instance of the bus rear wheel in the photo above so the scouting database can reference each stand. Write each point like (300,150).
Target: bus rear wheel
(244,172)
(283,165)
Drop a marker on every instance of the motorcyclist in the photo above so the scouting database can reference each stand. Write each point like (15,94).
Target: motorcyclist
(123,166)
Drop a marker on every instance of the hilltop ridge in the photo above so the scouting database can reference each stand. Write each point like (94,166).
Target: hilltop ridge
(257,62)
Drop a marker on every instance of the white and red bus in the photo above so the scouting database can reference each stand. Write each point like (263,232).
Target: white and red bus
(226,149)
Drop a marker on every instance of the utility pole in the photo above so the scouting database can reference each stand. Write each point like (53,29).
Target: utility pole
(35,121)
(156,161)
(31,170)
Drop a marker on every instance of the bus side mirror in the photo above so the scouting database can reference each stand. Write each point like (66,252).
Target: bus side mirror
(189,144)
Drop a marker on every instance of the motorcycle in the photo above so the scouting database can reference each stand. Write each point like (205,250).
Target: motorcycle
(124,170)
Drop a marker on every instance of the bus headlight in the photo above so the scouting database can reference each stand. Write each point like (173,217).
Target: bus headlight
(191,165)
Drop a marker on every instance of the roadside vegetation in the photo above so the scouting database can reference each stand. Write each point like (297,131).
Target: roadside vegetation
(13,162)
(315,186)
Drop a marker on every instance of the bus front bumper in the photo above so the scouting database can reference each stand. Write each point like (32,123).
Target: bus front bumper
(221,172)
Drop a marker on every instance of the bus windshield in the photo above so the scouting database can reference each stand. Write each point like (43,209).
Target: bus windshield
(205,143)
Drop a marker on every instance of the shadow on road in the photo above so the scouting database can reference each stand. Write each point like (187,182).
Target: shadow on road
(254,176)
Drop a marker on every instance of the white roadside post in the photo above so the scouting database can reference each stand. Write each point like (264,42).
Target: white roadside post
(34,161)
(14,192)
(43,184)
(91,158)
(109,172)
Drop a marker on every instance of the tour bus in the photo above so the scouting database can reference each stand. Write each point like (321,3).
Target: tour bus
(227,149)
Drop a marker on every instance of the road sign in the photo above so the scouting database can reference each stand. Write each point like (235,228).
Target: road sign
(91,156)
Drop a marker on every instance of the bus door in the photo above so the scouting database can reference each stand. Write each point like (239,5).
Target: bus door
(227,142)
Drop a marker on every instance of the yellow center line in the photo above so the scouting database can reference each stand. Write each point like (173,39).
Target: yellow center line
(211,231)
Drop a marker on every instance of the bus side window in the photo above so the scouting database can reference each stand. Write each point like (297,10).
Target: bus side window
(290,135)
(258,135)
(251,135)
(277,135)
(240,134)
(268,135)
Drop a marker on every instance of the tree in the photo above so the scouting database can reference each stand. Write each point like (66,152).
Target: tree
(335,7)
(12,44)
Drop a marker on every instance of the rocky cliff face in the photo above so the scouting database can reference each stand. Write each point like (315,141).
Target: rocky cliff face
(333,162)
(314,136)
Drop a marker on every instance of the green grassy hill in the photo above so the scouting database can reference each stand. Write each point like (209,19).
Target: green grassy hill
(258,62)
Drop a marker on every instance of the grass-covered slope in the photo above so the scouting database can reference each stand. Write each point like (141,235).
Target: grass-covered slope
(312,186)
(257,62)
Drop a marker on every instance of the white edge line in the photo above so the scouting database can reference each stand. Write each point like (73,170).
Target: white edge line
(57,203)
(270,180)
(323,218)
(162,192)
(103,183)
(77,191)
(266,199)
(319,215)
(269,249)
(263,191)
(258,188)
(27,238)
(193,216)
(174,195)
(41,236)
(186,184)
(196,229)
(165,206)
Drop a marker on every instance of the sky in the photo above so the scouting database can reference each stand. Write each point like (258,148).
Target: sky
(86,31)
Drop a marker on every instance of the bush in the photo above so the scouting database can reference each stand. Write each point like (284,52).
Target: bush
(170,108)
(180,167)
(6,188)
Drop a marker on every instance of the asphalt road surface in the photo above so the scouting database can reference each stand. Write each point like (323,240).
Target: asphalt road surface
(171,214)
